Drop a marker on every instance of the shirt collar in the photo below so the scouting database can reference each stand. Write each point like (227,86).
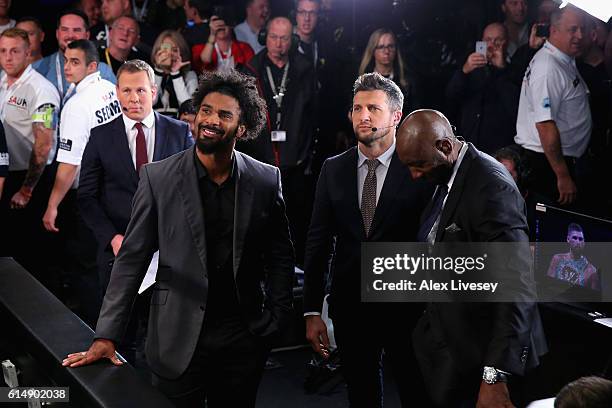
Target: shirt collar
(557,53)
(89,79)
(148,122)
(384,159)
(457,164)
(24,76)
(201,171)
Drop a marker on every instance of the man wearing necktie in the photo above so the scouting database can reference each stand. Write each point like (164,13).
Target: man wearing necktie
(364,195)
(114,155)
(472,354)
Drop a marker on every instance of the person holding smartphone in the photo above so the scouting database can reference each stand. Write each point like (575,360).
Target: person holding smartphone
(221,51)
(481,96)
(174,77)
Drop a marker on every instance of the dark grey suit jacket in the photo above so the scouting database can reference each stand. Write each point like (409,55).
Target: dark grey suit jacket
(455,340)
(167,214)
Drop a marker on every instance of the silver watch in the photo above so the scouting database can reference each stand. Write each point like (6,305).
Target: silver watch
(491,375)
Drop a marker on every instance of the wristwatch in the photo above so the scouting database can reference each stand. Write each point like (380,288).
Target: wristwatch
(491,375)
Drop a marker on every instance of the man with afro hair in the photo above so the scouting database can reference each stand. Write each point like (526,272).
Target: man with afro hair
(224,282)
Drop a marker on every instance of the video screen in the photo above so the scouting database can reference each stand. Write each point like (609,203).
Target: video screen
(571,253)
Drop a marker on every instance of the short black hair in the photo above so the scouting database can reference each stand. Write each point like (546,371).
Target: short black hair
(75,12)
(511,153)
(187,108)
(373,81)
(31,19)
(573,227)
(88,47)
(241,87)
(203,7)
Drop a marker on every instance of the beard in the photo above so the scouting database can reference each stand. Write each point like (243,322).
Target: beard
(210,146)
(370,137)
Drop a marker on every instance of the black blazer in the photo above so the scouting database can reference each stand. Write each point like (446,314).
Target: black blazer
(168,216)
(336,214)
(455,340)
(108,177)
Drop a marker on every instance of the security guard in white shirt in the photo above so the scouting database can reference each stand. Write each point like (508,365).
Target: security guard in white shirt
(28,110)
(554,119)
(94,102)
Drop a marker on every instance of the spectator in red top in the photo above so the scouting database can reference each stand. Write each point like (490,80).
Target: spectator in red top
(221,51)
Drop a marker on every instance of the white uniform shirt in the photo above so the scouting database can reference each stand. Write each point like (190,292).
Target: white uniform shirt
(554,90)
(18,105)
(94,103)
(148,128)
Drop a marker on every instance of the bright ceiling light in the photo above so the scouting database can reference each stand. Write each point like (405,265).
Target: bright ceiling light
(602,9)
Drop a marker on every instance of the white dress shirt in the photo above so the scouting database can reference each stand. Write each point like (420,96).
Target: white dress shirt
(431,237)
(148,127)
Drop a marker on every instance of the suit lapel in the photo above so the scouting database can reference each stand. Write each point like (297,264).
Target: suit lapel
(242,208)
(160,137)
(123,148)
(189,190)
(351,201)
(393,181)
(455,192)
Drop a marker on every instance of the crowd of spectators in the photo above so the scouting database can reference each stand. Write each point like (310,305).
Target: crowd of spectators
(531,87)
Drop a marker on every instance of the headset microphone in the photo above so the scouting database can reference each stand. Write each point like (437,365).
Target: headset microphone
(375,129)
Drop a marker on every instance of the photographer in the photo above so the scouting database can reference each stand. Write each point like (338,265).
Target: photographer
(222,52)
(175,80)
(482,95)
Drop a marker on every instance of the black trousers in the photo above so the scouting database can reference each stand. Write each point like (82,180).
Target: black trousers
(225,370)
(23,235)
(542,181)
(363,337)
(298,192)
(78,254)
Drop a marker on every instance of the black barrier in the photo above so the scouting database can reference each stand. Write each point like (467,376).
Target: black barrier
(33,319)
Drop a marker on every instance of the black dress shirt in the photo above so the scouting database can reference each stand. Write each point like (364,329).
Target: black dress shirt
(218,202)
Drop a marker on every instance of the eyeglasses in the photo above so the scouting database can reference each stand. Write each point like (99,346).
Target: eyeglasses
(306,13)
(390,47)
(497,42)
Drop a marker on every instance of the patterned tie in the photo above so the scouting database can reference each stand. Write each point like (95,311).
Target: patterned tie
(141,147)
(368,195)
(434,212)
